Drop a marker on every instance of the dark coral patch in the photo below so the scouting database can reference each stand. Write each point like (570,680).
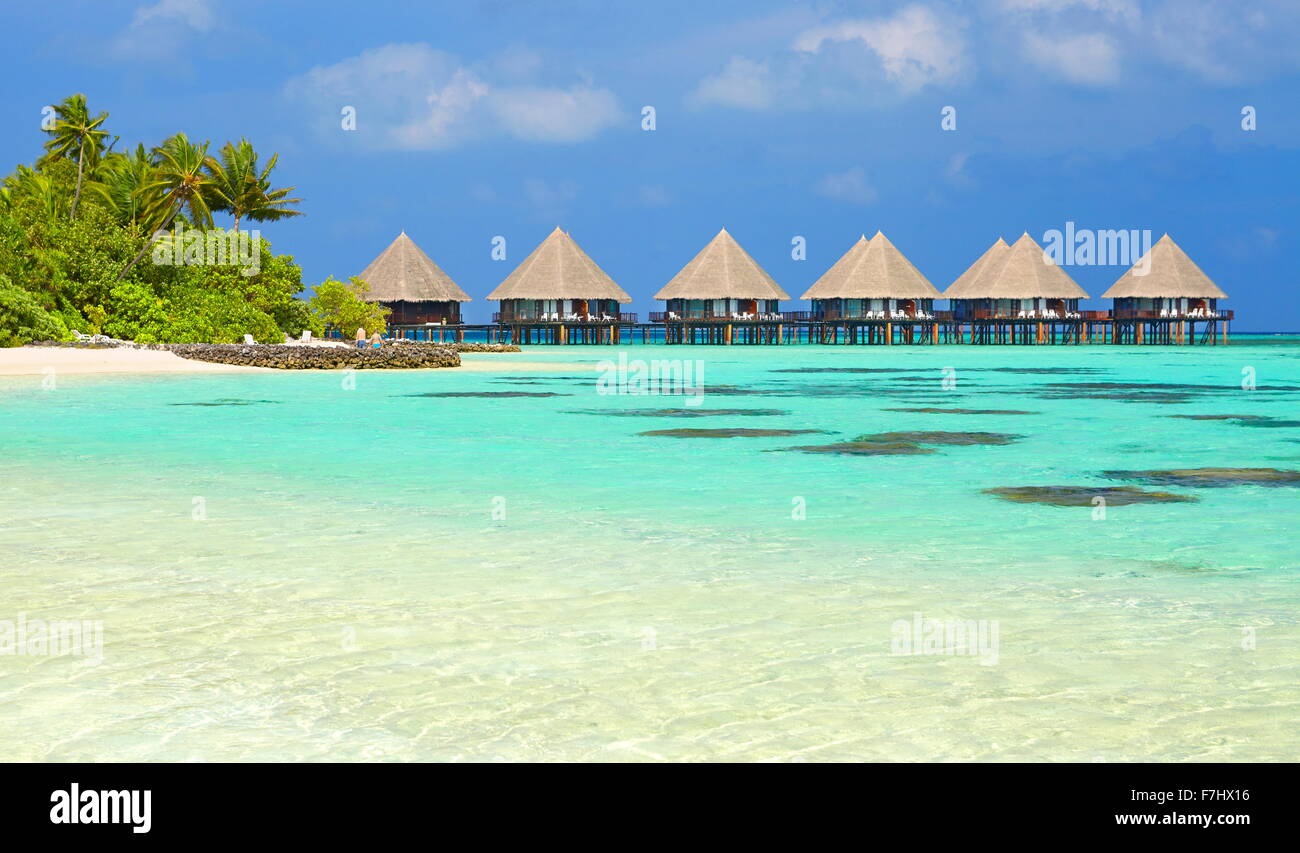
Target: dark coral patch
(679,413)
(487,394)
(1259,421)
(227,401)
(958,439)
(931,410)
(730,432)
(907,443)
(1269,423)
(851,370)
(1085,495)
(1056,371)
(1211,477)
(1220,417)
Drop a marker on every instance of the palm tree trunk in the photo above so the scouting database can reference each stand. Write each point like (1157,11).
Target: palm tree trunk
(236,222)
(148,244)
(81,159)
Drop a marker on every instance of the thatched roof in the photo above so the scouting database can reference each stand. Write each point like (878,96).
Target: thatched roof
(722,270)
(403,273)
(559,269)
(991,257)
(872,269)
(1170,274)
(1020,271)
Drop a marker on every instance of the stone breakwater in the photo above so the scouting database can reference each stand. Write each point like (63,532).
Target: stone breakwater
(290,357)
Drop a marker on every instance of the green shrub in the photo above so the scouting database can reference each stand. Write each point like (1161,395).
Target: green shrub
(23,319)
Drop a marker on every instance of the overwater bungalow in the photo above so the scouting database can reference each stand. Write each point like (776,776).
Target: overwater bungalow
(721,296)
(869,292)
(415,289)
(1163,296)
(559,295)
(1014,291)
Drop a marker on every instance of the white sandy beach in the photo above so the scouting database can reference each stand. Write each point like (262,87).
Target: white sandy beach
(35,361)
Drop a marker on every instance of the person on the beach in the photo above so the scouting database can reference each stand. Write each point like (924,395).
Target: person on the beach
(375,341)
(361,338)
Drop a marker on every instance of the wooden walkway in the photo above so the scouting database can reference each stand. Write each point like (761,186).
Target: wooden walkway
(999,331)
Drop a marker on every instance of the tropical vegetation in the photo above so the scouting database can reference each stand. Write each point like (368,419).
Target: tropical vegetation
(343,305)
(77,228)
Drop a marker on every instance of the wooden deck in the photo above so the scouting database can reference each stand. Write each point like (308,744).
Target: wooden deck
(1088,327)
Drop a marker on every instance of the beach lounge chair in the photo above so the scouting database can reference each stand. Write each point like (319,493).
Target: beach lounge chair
(248,339)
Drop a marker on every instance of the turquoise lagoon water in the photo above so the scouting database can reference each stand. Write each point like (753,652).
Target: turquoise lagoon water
(323,572)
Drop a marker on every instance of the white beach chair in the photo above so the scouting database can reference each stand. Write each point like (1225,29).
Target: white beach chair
(248,339)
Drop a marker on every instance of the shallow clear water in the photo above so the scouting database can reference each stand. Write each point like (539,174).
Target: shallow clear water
(375,575)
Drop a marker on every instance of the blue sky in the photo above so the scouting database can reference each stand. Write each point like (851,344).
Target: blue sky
(776,120)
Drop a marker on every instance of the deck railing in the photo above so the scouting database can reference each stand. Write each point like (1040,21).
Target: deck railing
(831,316)
(703,317)
(1148,314)
(987,314)
(580,319)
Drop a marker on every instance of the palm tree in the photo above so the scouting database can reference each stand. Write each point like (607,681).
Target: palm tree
(29,183)
(76,136)
(178,183)
(122,178)
(237,187)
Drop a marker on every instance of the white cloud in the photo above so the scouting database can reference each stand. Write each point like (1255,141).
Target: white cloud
(414,97)
(1091,59)
(1111,8)
(744,83)
(852,63)
(192,13)
(554,115)
(956,171)
(160,29)
(1223,43)
(851,186)
(654,196)
(915,47)
(550,200)
(847,62)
